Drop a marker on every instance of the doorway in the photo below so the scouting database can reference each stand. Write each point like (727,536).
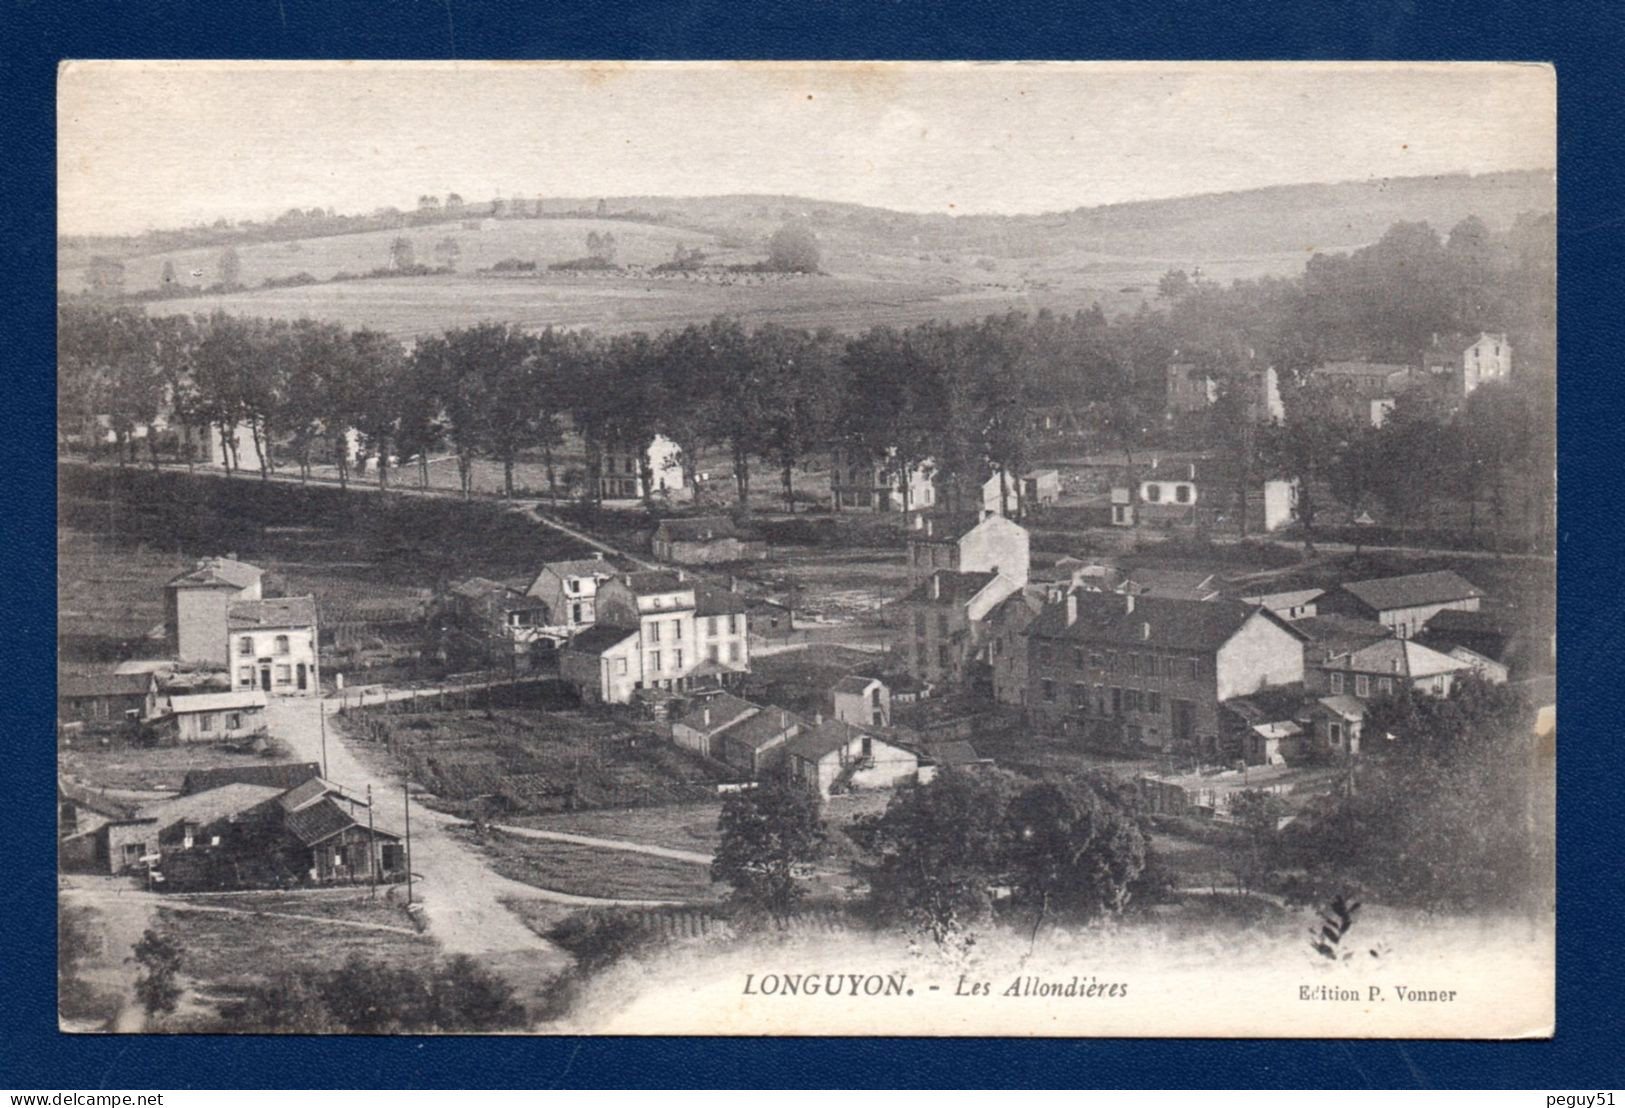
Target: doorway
(299,676)
(265,678)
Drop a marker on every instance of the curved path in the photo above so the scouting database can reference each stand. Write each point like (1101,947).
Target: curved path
(626,845)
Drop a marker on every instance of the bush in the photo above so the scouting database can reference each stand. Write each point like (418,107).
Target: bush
(368,997)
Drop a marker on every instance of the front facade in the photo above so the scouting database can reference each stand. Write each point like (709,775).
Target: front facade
(1005,493)
(569,590)
(707,717)
(722,628)
(491,625)
(1472,361)
(661,608)
(834,757)
(602,664)
(1191,389)
(1153,671)
(944,623)
(195,605)
(966,543)
(1404,604)
(273,646)
(1364,379)
(860,481)
(1383,668)
(620,474)
(755,745)
(1007,643)
(215,717)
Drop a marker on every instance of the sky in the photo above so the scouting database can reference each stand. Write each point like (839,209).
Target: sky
(164,144)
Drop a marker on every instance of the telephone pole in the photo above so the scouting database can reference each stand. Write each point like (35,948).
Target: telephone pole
(372,851)
(321,715)
(406,799)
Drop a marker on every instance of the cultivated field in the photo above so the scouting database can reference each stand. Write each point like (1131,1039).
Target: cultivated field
(153,768)
(593,871)
(682,826)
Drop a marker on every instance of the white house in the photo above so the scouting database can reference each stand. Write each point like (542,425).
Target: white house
(860,480)
(620,475)
(836,757)
(862,701)
(1473,360)
(212,717)
(570,590)
(273,645)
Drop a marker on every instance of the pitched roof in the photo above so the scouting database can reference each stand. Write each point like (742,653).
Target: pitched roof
(217,702)
(717,602)
(599,638)
(823,739)
(853,683)
(1458,619)
(209,805)
(952,587)
(645,581)
(1398,657)
(1175,584)
(762,728)
(951,752)
(1361,369)
(95,800)
(1270,703)
(697,529)
(1349,707)
(1278,600)
(1191,625)
(73,685)
(945,526)
(218,573)
(1339,632)
(580,567)
(276,611)
(726,709)
(303,794)
(279,775)
(1412,590)
(318,822)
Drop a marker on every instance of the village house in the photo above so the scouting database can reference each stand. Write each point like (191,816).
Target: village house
(1011,495)
(81,812)
(1191,389)
(1172,494)
(484,623)
(1364,379)
(1469,361)
(180,823)
(861,700)
(1524,642)
(1007,643)
(273,645)
(707,716)
(1404,604)
(620,474)
(213,717)
(755,745)
(943,754)
(704,540)
(282,775)
(1291,605)
(603,664)
(835,757)
(1382,668)
(1153,671)
(1265,728)
(1053,421)
(195,604)
(1337,723)
(106,697)
(722,626)
(966,542)
(859,480)
(1170,584)
(569,590)
(1210,795)
(943,624)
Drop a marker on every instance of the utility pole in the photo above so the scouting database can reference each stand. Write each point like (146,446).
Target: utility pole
(406,798)
(372,851)
(321,715)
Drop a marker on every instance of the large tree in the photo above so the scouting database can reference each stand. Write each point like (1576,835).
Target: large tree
(770,838)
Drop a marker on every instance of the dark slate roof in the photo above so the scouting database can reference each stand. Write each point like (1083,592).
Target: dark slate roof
(217,573)
(1413,590)
(825,738)
(303,794)
(698,529)
(645,581)
(854,683)
(71,686)
(599,638)
(945,526)
(317,822)
(1269,704)
(581,567)
(953,588)
(726,709)
(1456,619)
(1337,631)
(762,728)
(280,775)
(1199,625)
(717,602)
(210,805)
(95,800)
(277,611)
(951,752)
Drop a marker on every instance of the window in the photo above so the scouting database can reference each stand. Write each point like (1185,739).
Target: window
(654,630)
(133,852)
(944,658)
(1080,695)
(677,630)
(654,661)
(868,747)
(711,652)
(733,624)
(1337,684)
(1131,700)
(1049,689)
(1117,700)
(245,677)
(284,675)
(1182,493)
(677,660)
(733,652)
(1111,660)
(874,696)
(1385,685)
(1153,702)
(1362,685)
(1334,731)
(245,645)
(1195,665)
(234,721)
(1094,660)
(1438,685)
(942,623)
(1134,663)
(572,586)
(205,722)
(281,644)
(1077,656)
(919,623)
(711,626)
(575,613)
(620,667)
(1045,653)
(1153,493)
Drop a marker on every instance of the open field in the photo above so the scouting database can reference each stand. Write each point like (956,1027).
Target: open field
(532,761)
(684,826)
(109,593)
(592,871)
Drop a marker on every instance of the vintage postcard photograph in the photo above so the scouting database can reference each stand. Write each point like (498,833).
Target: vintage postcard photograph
(1059,549)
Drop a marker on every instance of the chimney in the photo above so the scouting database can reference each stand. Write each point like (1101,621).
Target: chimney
(707,715)
(1128,602)
(1071,608)
(733,583)
(1193,471)
(818,718)
(936,586)
(784,719)
(680,576)
(1145,631)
